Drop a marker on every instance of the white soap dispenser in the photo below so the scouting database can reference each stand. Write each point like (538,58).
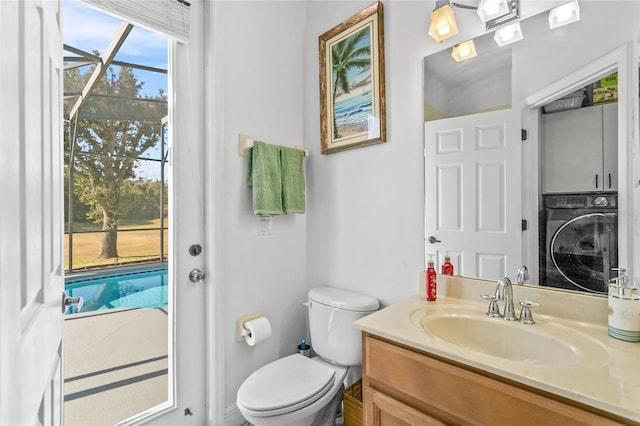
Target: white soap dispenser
(624,309)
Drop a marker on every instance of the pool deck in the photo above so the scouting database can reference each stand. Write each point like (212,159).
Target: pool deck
(115,364)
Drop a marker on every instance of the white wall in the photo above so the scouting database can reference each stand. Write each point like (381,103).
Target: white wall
(366,209)
(260,53)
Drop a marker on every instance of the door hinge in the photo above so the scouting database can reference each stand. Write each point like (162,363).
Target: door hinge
(524,224)
(523,134)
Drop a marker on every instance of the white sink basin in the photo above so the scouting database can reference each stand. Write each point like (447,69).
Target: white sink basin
(543,343)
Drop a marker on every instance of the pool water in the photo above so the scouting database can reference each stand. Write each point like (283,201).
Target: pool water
(140,289)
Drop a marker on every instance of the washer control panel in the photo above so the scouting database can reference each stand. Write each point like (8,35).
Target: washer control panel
(576,201)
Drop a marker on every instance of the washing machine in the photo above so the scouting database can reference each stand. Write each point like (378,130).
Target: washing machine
(581,241)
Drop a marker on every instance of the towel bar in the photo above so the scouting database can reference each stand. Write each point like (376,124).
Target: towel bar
(245,143)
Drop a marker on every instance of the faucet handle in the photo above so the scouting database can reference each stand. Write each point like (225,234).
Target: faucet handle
(494,309)
(525,313)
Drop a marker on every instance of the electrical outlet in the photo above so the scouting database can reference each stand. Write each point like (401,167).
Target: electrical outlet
(265,225)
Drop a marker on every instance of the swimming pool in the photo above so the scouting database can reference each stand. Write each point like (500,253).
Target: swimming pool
(141,288)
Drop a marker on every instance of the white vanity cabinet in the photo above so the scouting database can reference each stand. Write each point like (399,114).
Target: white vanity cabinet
(580,150)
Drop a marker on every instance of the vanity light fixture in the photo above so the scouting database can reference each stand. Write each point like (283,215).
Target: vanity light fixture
(463,51)
(564,14)
(507,35)
(494,13)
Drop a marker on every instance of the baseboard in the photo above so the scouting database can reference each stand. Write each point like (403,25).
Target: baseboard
(233,417)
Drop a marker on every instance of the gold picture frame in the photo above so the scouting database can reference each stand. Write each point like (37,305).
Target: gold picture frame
(352,93)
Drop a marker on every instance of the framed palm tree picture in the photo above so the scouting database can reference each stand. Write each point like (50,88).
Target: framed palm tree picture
(352,102)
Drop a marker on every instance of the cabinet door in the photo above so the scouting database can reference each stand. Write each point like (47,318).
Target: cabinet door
(387,411)
(610,144)
(572,150)
(430,391)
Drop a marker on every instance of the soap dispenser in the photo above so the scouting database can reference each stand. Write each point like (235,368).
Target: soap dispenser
(431,280)
(624,309)
(447,267)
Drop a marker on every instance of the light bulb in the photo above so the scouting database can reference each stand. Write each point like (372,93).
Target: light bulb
(508,34)
(492,8)
(444,29)
(464,51)
(564,12)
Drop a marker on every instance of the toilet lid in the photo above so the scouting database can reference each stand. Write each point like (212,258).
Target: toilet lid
(288,381)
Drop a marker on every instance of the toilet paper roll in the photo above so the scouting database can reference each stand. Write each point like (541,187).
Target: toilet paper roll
(258,329)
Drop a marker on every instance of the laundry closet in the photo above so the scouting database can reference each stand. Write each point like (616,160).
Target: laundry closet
(579,170)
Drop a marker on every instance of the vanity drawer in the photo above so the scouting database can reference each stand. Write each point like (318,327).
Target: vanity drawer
(455,394)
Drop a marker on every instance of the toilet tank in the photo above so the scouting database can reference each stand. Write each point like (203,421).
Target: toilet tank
(331,315)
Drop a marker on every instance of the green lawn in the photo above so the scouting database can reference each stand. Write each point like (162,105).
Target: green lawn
(133,246)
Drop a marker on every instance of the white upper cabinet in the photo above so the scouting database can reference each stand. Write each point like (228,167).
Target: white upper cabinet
(579,150)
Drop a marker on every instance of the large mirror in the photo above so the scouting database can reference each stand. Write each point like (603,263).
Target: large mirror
(559,203)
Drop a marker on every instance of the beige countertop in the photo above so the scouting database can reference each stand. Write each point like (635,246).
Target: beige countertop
(608,379)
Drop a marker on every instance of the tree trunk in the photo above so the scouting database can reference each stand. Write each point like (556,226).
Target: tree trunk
(109,243)
(336,134)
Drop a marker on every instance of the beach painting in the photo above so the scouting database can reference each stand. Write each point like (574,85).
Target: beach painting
(352,82)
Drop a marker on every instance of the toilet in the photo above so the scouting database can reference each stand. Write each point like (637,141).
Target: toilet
(296,390)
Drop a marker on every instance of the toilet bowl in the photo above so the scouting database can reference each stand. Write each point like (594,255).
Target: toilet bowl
(290,391)
(296,390)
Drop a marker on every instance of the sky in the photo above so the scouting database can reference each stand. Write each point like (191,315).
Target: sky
(87,29)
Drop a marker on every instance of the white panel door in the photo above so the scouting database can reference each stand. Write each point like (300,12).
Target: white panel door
(472,193)
(31,223)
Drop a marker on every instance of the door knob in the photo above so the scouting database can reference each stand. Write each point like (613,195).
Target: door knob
(67,301)
(196,276)
(433,240)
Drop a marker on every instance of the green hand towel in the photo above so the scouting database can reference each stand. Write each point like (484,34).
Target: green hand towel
(263,174)
(293,195)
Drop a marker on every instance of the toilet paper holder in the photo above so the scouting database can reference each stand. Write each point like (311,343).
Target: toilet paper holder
(241,331)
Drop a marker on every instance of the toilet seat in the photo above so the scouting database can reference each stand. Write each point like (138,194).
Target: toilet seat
(285,385)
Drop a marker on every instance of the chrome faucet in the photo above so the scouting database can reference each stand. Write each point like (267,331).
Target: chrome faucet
(522,275)
(504,291)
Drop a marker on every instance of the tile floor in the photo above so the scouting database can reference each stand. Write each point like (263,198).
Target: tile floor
(115,364)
